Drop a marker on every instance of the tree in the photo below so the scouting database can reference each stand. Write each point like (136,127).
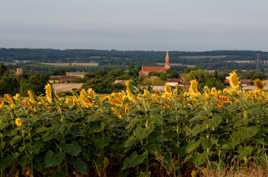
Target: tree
(34,82)
(204,78)
(9,85)
(3,69)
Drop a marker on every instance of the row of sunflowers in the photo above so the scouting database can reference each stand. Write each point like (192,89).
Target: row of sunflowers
(132,133)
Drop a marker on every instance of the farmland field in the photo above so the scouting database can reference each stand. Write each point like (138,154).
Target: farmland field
(66,87)
(90,64)
(195,132)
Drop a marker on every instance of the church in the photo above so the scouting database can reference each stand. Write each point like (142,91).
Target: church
(146,70)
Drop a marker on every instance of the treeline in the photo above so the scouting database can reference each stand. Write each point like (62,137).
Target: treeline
(135,54)
(106,58)
(91,54)
(11,83)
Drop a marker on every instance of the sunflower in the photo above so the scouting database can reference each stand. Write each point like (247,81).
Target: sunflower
(233,80)
(214,92)
(193,89)
(18,122)
(49,92)
(91,93)
(130,95)
(259,84)
(84,100)
(146,93)
(17,97)
(167,92)
(9,99)
(2,103)
(71,100)
(117,99)
(31,97)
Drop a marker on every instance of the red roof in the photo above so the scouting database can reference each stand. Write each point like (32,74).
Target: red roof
(153,69)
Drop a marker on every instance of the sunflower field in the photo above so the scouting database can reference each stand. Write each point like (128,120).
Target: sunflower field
(134,133)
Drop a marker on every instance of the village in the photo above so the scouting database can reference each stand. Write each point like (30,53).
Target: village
(73,81)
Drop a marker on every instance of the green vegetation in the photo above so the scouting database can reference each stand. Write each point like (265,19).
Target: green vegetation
(32,58)
(103,81)
(206,79)
(172,134)
(12,84)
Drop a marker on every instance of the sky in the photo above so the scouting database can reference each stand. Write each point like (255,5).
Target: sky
(192,25)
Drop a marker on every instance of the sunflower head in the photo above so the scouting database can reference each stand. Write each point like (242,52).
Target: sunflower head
(233,80)
(193,89)
(49,90)
(91,93)
(214,92)
(84,100)
(146,93)
(2,103)
(31,97)
(259,84)
(18,122)
(17,97)
(9,99)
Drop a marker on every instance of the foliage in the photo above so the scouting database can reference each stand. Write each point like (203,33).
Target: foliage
(205,78)
(103,81)
(34,82)
(133,134)
(8,84)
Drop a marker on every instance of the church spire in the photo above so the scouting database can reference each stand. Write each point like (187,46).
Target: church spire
(167,61)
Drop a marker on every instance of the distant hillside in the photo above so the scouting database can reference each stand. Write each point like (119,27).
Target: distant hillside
(221,59)
(90,54)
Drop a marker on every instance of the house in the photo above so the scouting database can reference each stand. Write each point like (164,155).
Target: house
(19,71)
(174,82)
(76,74)
(69,77)
(211,71)
(67,87)
(63,79)
(122,82)
(146,70)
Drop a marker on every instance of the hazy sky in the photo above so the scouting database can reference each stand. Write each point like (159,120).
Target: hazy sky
(135,24)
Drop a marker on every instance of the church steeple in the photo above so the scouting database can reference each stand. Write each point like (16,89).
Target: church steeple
(167,61)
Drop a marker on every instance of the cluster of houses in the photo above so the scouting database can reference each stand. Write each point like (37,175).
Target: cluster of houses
(68,82)
(246,84)
(74,80)
(69,77)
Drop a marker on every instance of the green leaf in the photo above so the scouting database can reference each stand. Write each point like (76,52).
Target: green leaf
(245,151)
(200,158)
(243,134)
(102,142)
(15,140)
(134,160)
(72,149)
(80,166)
(198,129)
(193,145)
(53,159)
(142,133)
(138,135)
(144,174)
(215,122)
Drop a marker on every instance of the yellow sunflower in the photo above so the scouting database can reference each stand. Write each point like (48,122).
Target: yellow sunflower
(31,97)
(84,100)
(18,122)
(233,80)
(49,93)
(2,103)
(193,89)
(259,84)
(9,99)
